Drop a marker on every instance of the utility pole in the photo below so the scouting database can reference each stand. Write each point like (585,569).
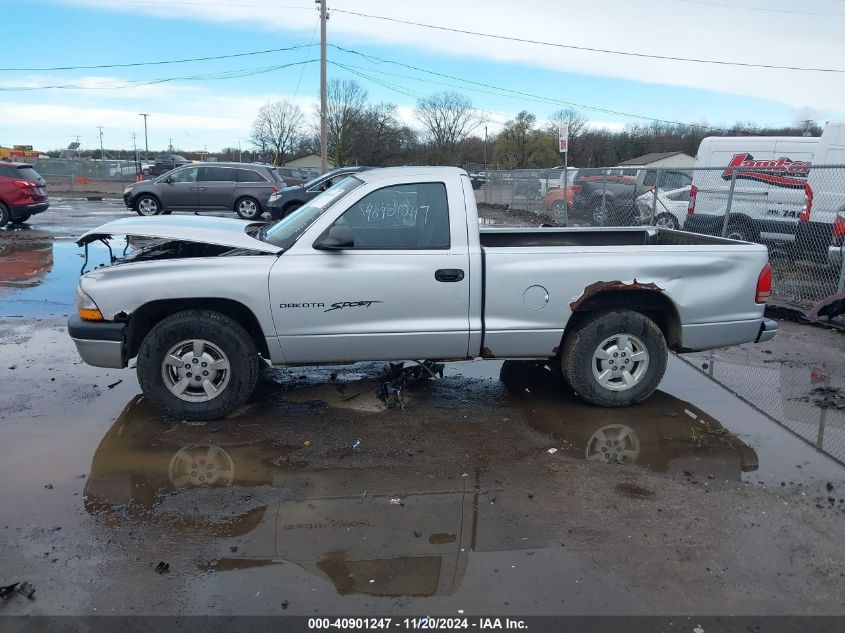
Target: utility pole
(102,153)
(170,145)
(146,141)
(135,156)
(324,132)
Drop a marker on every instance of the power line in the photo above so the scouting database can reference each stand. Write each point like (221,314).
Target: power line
(590,49)
(232,74)
(159,62)
(763,9)
(515,93)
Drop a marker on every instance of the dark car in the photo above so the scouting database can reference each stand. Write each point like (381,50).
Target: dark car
(608,197)
(292,176)
(291,198)
(164,163)
(23,193)
(239,187)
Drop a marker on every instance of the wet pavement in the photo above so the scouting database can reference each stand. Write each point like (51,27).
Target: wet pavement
(493,491)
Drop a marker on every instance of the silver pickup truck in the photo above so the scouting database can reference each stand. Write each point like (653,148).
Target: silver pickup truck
(390,264)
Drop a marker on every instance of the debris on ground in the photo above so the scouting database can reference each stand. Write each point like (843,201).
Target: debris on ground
(356,444)
(26,590)
(48,486)
(162,568)
(401,377)
(284,604)
(395,501)
(114,384)
(307,443)
(552,450)
(8,590)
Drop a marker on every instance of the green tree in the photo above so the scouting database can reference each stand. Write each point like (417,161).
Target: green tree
(521,146)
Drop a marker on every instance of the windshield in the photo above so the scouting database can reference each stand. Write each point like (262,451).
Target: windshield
(286,231)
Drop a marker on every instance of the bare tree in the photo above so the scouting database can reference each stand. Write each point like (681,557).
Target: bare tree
(577,122)
(347,101)
(448,117)
(277,127)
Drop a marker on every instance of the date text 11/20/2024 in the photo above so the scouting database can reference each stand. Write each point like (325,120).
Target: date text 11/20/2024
(421,623)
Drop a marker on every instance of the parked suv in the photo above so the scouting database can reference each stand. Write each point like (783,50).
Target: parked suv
(23,193)
(242,188)
(290,199)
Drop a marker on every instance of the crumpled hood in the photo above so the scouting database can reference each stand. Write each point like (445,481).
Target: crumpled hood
(189,228)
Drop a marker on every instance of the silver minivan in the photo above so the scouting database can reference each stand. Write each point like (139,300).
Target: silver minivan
(242,188)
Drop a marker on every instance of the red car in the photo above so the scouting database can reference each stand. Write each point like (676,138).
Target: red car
(23,193)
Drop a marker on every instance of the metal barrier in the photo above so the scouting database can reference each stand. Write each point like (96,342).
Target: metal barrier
(798,211)
(74,168)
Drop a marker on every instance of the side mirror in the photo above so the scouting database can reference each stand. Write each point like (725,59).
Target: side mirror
(339,237)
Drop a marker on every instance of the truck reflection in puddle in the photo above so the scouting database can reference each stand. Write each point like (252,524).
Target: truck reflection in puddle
(379,524)
(663,434)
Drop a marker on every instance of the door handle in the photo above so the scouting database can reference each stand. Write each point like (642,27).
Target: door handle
(449,274)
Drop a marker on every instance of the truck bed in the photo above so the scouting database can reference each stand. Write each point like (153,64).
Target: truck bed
(496,237)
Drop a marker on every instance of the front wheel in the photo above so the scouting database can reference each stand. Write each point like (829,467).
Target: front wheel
(615,358)
(559,210)
(198,365)
(5,215)
(147,205)
(667,221)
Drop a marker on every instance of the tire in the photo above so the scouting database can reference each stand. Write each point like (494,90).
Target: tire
(147,205)
(667,221)
(742,230)
(559,210)
(606,218)
(602,333)
(5,216)
(248,208)
(290,208)
(223,341)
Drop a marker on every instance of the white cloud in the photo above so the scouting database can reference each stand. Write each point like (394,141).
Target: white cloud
(664,27)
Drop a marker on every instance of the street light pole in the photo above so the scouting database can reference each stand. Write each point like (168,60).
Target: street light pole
(324,133)
(146,141)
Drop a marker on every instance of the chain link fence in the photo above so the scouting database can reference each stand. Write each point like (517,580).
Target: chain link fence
(799,216)
(808,401)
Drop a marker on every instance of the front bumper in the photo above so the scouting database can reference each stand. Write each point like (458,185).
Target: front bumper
(29,209)
(768,329)
(99,343)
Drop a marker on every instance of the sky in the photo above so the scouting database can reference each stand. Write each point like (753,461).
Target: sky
(212,104)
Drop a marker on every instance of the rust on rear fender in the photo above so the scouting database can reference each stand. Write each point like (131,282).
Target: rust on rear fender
(602,286)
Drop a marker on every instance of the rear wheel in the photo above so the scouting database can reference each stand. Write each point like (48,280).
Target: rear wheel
(4,214)
(615,358)
(248,208)
(742,230)
(147,205)
(198,365)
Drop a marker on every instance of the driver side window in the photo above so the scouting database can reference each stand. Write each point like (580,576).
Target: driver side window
(407,217)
